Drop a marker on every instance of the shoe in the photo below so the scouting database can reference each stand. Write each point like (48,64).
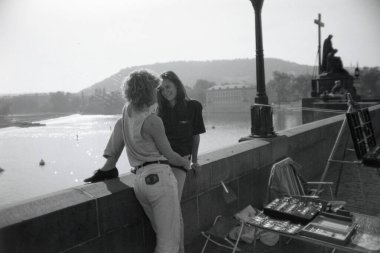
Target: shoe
(101,175)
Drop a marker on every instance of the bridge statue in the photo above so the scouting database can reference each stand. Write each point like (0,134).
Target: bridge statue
(327,48)
(331,71)
(330,62)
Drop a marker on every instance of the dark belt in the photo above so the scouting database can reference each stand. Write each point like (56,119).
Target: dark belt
(153,162)
(158,162)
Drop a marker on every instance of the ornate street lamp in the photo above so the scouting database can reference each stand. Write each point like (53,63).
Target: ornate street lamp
(261,112)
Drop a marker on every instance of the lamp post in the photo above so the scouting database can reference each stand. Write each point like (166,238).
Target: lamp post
(261,112)
(356,82)
(357,72)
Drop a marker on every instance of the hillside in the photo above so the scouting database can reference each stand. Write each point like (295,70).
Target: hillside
(218,71)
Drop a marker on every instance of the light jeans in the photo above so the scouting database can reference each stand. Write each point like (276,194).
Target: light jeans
(113,151)
(180,175)
(161,204)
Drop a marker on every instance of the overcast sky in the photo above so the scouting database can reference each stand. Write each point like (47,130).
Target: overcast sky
(67,45)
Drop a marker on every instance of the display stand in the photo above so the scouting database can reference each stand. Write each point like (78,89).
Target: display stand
(352,107)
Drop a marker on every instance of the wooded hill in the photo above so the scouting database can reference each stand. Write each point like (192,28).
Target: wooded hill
(217,71)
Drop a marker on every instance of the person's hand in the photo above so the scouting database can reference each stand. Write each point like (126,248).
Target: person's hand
(196,168)
(187,167)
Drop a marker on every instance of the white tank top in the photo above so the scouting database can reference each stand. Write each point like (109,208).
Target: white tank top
(139,149)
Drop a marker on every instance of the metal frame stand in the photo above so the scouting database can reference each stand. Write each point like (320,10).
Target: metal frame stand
(352,107)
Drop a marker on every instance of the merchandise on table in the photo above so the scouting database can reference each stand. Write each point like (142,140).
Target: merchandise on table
(333,230)
(297,210)
(263,221)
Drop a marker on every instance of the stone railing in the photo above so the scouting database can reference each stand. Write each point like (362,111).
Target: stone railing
(106,217)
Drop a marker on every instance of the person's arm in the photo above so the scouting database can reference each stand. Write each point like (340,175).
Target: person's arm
(194,154)
(194,151)
(114,147)
(154,127)
(198,128)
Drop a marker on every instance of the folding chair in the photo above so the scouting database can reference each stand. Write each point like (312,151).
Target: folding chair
(218,233)
(285,180)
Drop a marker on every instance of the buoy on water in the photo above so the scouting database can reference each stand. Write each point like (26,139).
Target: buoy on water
(1,169)
(42,162)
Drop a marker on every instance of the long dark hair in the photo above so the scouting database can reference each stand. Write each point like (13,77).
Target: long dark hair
(181,91)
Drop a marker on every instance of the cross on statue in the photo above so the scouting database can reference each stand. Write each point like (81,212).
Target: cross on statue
(320,24)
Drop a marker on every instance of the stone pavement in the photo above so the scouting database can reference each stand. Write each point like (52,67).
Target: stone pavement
(349,188)
(349,191)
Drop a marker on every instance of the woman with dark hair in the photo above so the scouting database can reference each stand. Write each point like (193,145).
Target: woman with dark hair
(183,121)
(182,118)
(142,132)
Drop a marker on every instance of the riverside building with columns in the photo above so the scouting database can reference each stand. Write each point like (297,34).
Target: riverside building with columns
(230,98)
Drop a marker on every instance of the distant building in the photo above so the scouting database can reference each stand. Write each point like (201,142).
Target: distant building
(230,98)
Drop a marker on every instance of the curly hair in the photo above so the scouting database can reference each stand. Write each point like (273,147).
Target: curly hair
(139,88)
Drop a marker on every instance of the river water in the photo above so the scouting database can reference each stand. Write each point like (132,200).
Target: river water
(72,149)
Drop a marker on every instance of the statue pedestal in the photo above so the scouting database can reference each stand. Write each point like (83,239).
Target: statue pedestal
(323,84)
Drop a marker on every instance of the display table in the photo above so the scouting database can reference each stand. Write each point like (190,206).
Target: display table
(366,238)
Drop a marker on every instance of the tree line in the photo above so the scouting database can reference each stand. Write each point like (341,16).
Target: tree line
(100,102)
(282,88)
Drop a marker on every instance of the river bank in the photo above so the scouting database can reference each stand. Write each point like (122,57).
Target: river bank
(28,120)
(20,124)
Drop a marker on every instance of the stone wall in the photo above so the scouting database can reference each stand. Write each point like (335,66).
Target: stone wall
(106,217)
